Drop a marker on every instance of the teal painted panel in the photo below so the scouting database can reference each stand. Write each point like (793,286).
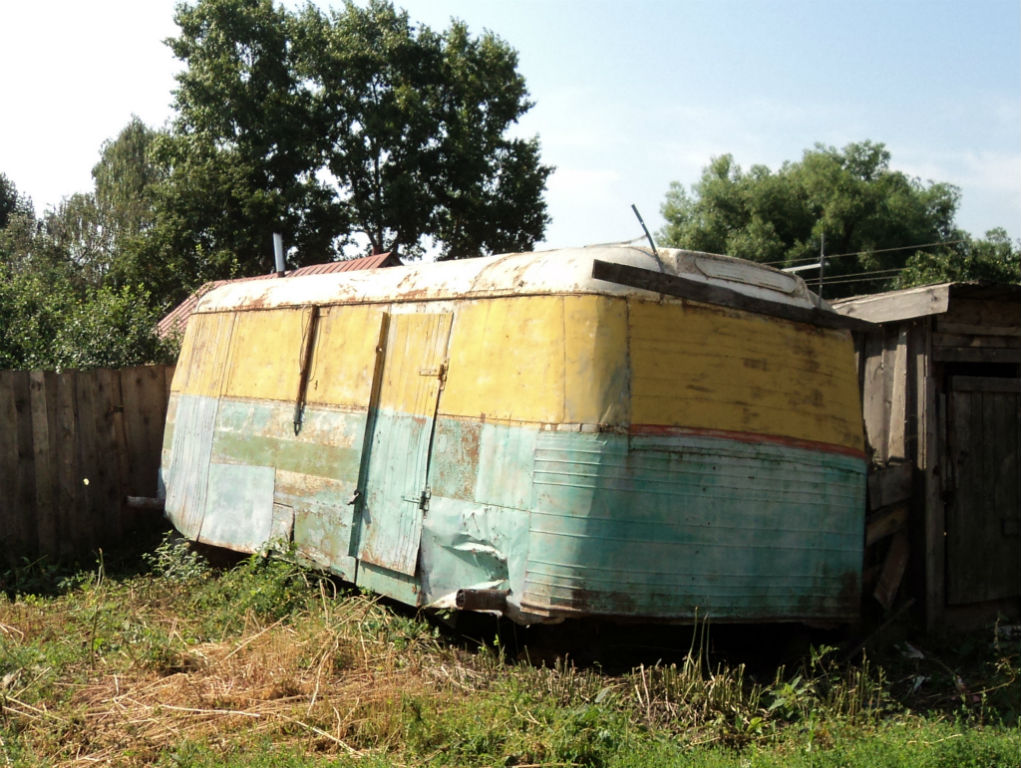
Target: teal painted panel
(739,531)
(262,433)
(239,512)
(388,583)
(186,467)
(314,474)
(391,515)
(455,463)
(323,520)
(506,454)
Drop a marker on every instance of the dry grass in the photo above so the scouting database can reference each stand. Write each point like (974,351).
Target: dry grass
(323,681)
(126,672)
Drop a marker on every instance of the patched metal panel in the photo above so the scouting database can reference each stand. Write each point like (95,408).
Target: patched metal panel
(316,471)
(505,459)
(187,472)
(730,529)
(397,468)
(242,499)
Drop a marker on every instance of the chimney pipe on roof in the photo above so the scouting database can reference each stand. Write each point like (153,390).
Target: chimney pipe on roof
(278,252)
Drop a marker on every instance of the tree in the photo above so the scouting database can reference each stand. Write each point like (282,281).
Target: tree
(79,233)
(53,314)
(126,177)
(331,126)
(870,219)
(11,202)
(994,258)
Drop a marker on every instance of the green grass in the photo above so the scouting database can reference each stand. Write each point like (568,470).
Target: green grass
(265,664)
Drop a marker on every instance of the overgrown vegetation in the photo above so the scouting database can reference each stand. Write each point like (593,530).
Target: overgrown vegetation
(266,664)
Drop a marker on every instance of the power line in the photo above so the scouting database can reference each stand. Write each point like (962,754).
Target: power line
(865,253)
(874,277)
(892,270)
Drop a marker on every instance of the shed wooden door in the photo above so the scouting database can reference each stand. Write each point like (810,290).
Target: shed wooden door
(398,463)
(983,546)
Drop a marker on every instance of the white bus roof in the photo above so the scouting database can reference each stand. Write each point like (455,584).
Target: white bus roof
(554,272)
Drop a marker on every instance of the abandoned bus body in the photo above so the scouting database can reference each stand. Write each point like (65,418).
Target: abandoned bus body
(594,432)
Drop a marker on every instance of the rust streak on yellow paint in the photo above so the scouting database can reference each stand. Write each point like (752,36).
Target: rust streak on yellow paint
(700,367)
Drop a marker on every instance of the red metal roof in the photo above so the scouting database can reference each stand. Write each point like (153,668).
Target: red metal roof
(174,321)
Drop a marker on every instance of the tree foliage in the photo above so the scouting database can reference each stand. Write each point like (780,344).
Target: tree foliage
(337,128)
(56,309)
(869,218)
(12,202)
(994,259)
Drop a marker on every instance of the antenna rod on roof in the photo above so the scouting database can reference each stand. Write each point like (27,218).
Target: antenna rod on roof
(278,253)
(647,235)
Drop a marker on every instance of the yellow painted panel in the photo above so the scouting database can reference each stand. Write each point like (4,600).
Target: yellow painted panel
(416,347)
(707,368)
(201,364)
(595,360)
(266,351)
(344,359)
(507,360)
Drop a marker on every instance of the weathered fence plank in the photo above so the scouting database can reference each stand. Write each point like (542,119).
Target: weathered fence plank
(43,392)
(11,536)
(25,484)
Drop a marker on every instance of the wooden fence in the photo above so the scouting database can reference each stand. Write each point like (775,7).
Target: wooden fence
(72,446)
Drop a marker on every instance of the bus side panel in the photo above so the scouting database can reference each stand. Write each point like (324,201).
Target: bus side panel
(519,366)
(737,492)
(679,526)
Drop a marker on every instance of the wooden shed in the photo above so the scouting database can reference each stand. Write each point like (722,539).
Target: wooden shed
(941,394)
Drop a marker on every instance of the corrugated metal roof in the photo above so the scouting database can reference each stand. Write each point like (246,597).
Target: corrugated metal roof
(174,321)
(546,272)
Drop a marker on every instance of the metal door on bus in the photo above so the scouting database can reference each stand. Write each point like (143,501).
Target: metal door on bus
(395,495)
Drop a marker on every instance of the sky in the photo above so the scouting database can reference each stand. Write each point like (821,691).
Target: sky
(629,97)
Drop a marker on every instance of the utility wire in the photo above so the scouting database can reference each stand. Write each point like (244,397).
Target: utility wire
(866,273)
(861,279)
(792,262)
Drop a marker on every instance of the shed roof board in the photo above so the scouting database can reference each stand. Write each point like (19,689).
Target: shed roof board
(921,301)
(566,271)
